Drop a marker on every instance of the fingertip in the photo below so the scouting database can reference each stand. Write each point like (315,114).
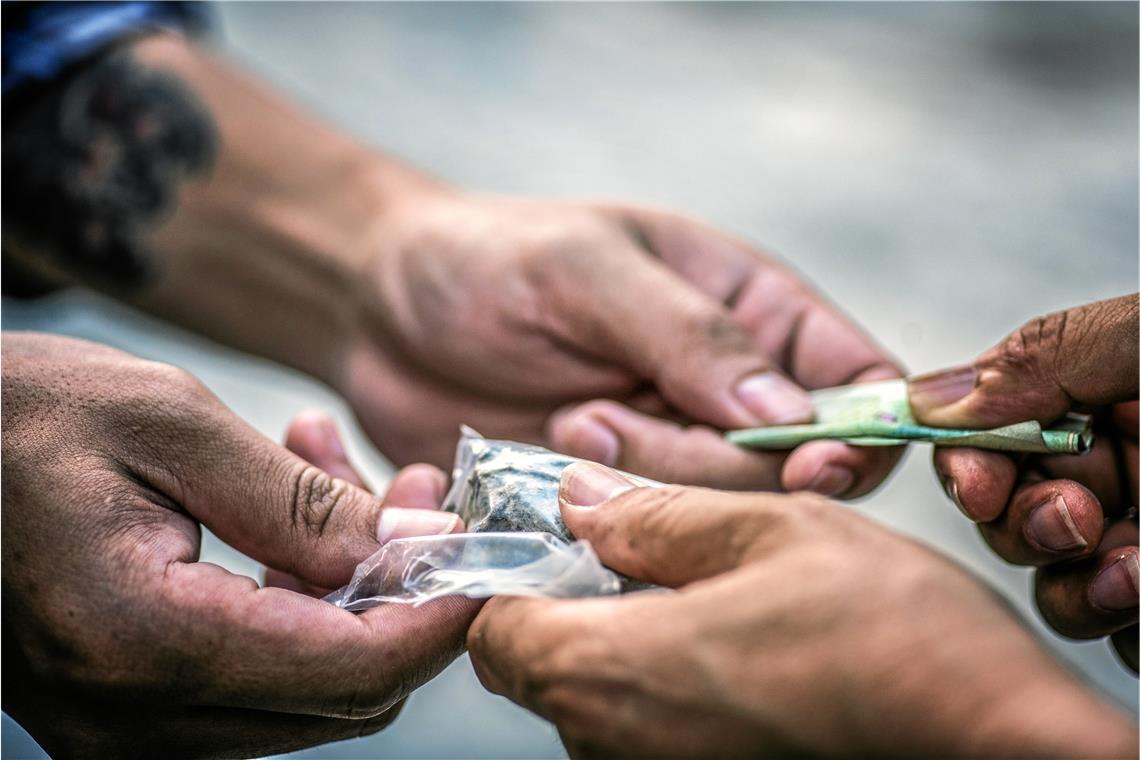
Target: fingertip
(1066,520)
(585,485)
(775,399)
(312,434)
(584,435)
(417,486)
(399,522)
(837,470)
(979,483)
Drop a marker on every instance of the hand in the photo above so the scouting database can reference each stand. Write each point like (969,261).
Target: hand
(117,640)
(1073,517)
(798,628)
(428,308)
(508,315)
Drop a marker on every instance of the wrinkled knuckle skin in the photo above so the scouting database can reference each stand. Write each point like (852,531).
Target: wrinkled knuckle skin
(315,498)
(1034,350)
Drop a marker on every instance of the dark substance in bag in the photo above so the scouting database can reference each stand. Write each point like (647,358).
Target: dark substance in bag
(506,486)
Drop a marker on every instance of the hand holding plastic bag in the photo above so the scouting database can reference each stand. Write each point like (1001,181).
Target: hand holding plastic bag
(507,494)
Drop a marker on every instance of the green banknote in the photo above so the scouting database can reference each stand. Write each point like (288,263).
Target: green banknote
(879,414)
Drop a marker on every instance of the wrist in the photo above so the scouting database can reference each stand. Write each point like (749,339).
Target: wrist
(1053,716)
(266,253)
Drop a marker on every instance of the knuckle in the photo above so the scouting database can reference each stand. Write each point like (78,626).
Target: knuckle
(173,382)
(315,497)
(1035,348)
(561,254)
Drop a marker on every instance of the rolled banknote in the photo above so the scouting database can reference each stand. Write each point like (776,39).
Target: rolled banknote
(879,414)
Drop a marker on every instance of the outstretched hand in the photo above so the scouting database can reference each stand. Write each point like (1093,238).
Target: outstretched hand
(618,334)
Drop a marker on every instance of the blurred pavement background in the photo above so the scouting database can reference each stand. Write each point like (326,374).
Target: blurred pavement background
(943,171)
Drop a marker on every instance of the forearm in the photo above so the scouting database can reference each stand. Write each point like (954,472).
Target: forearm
(262,247)
(267,252)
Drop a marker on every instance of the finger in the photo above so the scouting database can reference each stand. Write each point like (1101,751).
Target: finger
(630,308)
(240,646)
(832,468)
(520,647)
(1091,598)
(1047,522)
(672,535)
(1083,356)
(615,435)
(277,579)
(1103,470)
(417,486)
(269,503)
(980,483)
(312,435)
(812,340)
(503,655)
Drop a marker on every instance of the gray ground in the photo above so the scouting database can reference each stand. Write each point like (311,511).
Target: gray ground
(943,171)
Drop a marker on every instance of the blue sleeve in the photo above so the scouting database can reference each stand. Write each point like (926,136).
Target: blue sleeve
(40,40)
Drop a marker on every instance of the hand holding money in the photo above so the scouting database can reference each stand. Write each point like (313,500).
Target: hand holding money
(880,414)
(1041,392)
(1073,517)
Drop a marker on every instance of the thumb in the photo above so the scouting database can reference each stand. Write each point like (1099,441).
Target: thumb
(1085,356)
(295,517)
(672,535)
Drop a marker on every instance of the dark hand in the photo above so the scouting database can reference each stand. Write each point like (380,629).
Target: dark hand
(1072,517)
(117,640)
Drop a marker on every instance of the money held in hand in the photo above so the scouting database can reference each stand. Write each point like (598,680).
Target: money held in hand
(879,414)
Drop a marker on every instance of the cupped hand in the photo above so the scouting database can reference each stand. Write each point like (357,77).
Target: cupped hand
(1072,517)
(797,628)
(622,335)
(117,640)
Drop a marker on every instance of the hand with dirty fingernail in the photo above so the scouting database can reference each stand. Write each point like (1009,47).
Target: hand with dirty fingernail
(1068,516)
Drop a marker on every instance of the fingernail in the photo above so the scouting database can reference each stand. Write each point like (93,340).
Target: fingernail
(950,486)
(1051,527)
(332,439)
(590,439)
(775,399)
(832,481)
(398,522)
(1117,587)
(585,484)
(941,388)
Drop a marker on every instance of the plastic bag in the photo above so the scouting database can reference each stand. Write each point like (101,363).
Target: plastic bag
(417,570)
(507,495)
(509,486)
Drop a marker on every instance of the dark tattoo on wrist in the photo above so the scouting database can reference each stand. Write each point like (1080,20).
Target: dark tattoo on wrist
(96,159)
